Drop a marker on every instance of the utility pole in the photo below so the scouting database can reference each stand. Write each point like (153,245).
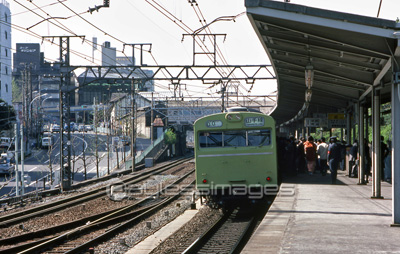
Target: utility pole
(30,100)
(108,146)
(133,129)
(65,91)
(223,97)
(97,136)
(16,160)
(22,161)
(152,118)
(133,110)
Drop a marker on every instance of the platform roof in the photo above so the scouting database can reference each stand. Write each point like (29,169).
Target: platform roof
(349,54)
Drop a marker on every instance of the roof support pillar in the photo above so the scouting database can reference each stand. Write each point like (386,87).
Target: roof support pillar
(361,144)
(348,127)
(396,137)
(376,144)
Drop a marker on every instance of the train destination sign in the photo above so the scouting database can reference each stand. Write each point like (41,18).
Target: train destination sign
(214,123)
(253,121)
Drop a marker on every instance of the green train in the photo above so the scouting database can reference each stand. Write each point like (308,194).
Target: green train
(235,156)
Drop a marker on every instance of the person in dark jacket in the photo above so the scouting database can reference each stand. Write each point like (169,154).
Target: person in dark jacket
(290,157)
(384,153)
(300,156)
(353,170)
(334,157)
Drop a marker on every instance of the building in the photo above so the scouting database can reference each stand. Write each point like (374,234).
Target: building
(39,82)
(108,55)
(5,52)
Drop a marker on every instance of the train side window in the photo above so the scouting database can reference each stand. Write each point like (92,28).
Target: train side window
(259,137)
(210,139)
(235,138)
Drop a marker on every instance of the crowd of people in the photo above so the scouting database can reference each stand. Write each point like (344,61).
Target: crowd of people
(317,156)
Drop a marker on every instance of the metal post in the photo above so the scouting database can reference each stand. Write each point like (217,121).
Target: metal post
(152,118)
(361,152)
(64,108)
(223,97)
(341,134)
(356,118)
(348,127)
(396,141)
(133,125)
(16,160)
(376,141)
(22,161)
(367,171)
(30,105)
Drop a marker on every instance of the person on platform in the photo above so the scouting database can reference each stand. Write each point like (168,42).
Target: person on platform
(334,157)
(300,156)
(311,154)
(367,163)
(384,154)
(290,156)
(342,155)
(322,151)
(353,164)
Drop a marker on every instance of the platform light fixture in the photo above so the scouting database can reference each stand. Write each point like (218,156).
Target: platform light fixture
(309,75)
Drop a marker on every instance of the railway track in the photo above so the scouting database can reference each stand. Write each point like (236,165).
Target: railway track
(225,235)
(76,237)
(17,217)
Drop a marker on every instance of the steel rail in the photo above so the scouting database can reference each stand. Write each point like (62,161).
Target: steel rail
(203,238)
(107,220)
(201,241)
(124,225)
(14,218)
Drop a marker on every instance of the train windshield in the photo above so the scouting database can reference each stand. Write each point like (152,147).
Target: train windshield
(234,138)
(239,138)
(210,139)
(259,137)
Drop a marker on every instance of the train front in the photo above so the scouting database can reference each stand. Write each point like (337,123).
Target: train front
(235,155)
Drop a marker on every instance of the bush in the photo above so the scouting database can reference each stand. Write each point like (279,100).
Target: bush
(170,137)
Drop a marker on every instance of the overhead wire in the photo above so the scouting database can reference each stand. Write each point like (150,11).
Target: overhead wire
(174,19)
(105,33)
(63,27)
(31,33)
(219,52)
(90,43)
(22,12)
(202,19)
(79,15)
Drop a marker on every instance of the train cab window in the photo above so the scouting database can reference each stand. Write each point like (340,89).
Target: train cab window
(259,137)
(234,138)
(210,139)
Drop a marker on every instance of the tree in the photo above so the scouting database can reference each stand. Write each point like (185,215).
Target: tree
(170,137)
(16,92)
(7,116)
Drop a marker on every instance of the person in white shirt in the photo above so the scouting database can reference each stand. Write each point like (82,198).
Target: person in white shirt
(322,151)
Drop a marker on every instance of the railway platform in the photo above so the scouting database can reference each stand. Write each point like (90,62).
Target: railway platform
(311,215)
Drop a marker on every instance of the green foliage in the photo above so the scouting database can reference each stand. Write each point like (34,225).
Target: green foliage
(386,127)
(16,92)
(7,116)
(170,137)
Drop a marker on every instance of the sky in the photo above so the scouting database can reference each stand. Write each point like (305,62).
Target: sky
(143,21)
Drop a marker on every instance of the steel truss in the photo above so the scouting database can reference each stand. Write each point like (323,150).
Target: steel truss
(208,74)
(175,73)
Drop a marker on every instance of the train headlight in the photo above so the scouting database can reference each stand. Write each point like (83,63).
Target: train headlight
(268,179)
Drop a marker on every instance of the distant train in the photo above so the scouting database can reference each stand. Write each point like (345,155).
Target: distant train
(235,156)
